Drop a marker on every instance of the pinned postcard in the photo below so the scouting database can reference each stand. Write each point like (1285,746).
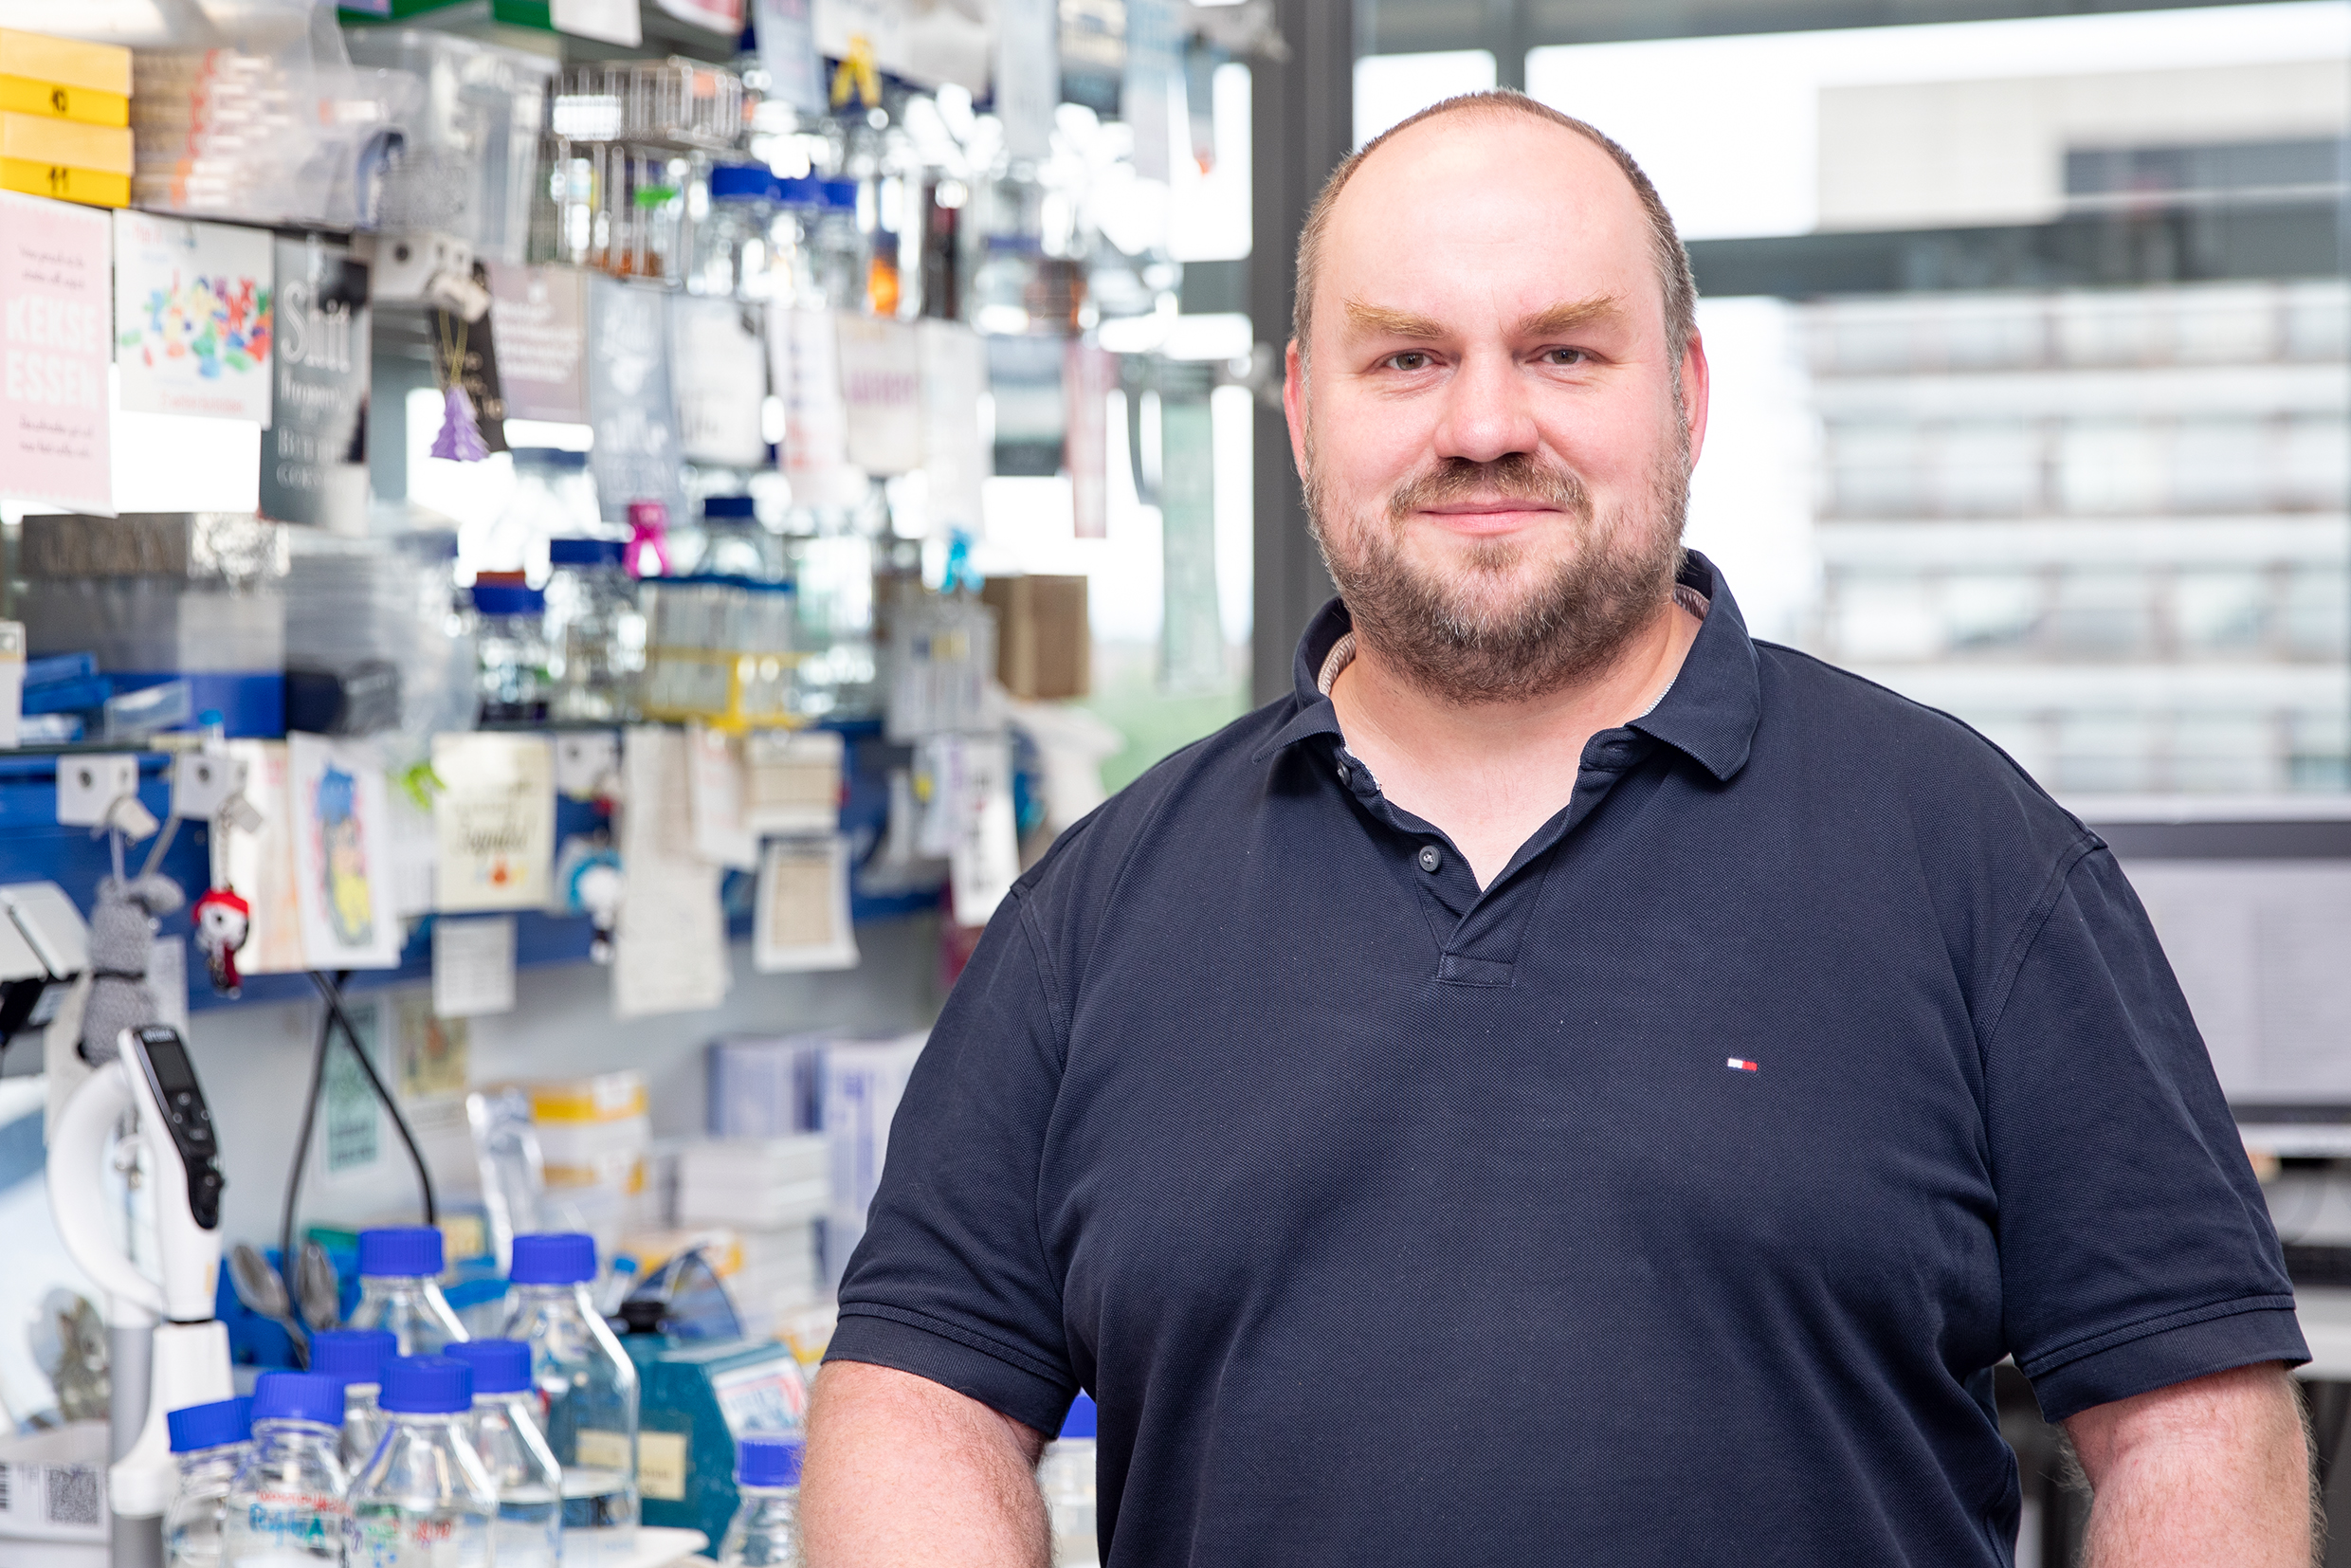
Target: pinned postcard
(721,369)
(193,317)
(494,816)
(801,920)
(258,865)
(53,406)
(882,384)
(342,854)
(670,951)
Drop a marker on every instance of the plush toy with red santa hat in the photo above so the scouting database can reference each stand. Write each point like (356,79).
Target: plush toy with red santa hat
(223,922)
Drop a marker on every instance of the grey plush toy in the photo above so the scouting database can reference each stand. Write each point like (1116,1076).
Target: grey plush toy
(122,932)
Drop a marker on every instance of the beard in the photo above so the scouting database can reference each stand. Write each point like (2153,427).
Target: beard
(1459,633)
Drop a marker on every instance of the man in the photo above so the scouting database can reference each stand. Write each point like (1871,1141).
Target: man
(1571,1084)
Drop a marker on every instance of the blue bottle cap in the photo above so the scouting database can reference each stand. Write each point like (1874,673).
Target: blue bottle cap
(207,1426)
(500,1366)
(1081,1417)
(840,194)
(768,1459)
(586,552)
(564,1257)
(501,599)
(426,1385)
(741,182)
(298,1396)
(400,1252)
(355,1355)
(561,458)
(800,192)
(728,506)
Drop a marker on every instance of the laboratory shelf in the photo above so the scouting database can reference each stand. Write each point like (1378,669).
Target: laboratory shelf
(35,847)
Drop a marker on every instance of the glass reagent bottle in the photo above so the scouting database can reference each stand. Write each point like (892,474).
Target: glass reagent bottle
(765,1532)
(209,1441)
(357,1356)
(286,1507)
(397,1267)
(591,1388)
(425,1500)
(508,1434)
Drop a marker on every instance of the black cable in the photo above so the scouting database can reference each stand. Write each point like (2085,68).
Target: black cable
(302,1153)
(333,992)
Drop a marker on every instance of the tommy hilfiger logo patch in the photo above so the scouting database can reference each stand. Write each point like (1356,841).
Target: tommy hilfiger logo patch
(1740,1063)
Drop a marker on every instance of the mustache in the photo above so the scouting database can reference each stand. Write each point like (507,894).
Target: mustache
(1514,476)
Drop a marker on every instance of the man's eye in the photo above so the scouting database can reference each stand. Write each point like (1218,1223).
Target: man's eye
(1411,360)
(1564,357)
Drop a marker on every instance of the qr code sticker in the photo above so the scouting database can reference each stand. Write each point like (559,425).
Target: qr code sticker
(73,1494)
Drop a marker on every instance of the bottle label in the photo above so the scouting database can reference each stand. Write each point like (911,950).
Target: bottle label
(661,1464)
(604,1451)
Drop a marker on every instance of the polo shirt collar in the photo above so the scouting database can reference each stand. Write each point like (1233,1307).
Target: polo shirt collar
(1709,713)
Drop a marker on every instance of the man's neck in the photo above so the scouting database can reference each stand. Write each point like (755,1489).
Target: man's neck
(1488,775)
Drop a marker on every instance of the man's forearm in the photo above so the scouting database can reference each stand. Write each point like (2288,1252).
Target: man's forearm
(905,1470)
(2210,1474)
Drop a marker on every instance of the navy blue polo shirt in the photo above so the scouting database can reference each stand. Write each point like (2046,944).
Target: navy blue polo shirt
(1667,1201)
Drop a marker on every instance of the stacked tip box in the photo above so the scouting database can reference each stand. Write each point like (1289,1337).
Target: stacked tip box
(64,118)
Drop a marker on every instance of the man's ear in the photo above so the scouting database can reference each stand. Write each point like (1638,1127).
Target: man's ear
(1294,402)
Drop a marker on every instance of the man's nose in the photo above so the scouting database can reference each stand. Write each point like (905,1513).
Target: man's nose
(1487,413)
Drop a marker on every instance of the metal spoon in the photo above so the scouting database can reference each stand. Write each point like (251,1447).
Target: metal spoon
(258,1286)
(320,1288)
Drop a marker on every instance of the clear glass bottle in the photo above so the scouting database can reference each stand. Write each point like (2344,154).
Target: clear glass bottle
(1066,1474)
(513,1444)
(733,246)
(595,631)
(765,1531)
(591,1388)
(357,1356)
(287,1504)
(210,1442)
(398,1265)
(835,246)
(425,1500)
(510,642)
(736,544)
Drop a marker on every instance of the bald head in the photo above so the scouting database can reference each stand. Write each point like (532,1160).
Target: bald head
(1677,292)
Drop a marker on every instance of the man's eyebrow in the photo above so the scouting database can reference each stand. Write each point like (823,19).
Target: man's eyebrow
(1381,322)
(1569,315)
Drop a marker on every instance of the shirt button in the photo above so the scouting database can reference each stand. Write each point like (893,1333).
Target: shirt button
(1430,858)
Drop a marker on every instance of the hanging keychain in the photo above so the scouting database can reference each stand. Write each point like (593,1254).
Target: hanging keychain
(459,440)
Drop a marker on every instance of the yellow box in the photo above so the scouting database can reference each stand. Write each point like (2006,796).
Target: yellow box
(41,138)
(90,187)
(101,67)
(26,95)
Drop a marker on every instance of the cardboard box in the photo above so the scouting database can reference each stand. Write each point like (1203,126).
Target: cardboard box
(64,182)
(50,142)
(1044,642)
(69,62)
(26,95)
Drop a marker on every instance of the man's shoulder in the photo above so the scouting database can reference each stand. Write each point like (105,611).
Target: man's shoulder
(1205,780)
(1839,725)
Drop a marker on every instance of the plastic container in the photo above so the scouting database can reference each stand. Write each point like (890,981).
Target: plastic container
(765,1531)
(595,630)
(287,1505)
(513,1444)
(425,1500)
(591,1388)
(468,166)
(734,245)
(210,1442)
(357,1356)
(510,643)
(398,1265)
(1066,1474)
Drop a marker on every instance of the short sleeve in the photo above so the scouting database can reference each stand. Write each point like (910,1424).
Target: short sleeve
(2135,1249)
(951,1280)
